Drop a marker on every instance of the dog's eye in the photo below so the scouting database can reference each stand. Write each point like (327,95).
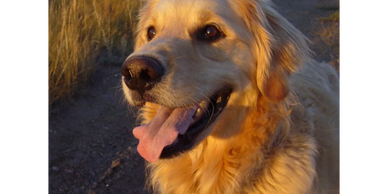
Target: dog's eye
(209,33)
(151,33)
(212,32)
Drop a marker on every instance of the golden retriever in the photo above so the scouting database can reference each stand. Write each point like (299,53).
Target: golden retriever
(231,101)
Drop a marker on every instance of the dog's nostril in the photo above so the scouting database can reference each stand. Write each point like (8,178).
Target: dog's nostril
(149,75)
(126,73)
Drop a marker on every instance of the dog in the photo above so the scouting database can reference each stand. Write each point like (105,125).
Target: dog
(231,101)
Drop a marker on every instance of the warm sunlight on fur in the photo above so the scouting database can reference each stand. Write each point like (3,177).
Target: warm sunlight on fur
(271,116)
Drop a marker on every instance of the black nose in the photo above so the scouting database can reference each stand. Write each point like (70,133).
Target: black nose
(141,73)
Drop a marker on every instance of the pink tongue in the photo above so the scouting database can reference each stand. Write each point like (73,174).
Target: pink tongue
(162,131)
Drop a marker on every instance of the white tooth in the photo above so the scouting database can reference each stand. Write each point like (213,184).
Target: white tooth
(198,112)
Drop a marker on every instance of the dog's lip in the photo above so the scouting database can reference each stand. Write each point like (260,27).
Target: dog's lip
(185,141)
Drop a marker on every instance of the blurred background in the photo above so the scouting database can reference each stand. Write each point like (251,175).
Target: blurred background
(91,147)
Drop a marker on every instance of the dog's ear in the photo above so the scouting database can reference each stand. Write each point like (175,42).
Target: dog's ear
(280,48)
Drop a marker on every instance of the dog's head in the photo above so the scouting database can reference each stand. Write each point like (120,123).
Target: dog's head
(198,64)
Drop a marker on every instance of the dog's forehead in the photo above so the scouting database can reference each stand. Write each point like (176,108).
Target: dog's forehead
(180,5)
(190,9)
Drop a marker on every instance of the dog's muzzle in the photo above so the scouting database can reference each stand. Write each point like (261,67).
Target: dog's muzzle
(141,73)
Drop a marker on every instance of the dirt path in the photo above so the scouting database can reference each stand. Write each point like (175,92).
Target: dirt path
(91,147)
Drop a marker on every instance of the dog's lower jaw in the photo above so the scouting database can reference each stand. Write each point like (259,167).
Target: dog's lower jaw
(173,131)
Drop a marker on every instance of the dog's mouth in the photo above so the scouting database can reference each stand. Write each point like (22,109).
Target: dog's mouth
(174,130)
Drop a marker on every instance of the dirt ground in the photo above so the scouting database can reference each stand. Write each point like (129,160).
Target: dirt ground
(91,146)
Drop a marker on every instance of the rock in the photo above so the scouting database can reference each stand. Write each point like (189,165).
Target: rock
(54,168)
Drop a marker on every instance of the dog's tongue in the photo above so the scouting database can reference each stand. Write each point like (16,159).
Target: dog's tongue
(162,131)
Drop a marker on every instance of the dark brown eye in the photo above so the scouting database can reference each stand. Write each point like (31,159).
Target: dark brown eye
(209,33)
(151,33)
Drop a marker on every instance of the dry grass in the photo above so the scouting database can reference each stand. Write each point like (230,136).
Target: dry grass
(330,36)
(81,33)
(328,7)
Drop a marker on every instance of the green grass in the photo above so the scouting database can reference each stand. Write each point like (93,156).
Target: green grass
(81,33)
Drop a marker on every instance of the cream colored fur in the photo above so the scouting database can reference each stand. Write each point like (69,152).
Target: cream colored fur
(278,133)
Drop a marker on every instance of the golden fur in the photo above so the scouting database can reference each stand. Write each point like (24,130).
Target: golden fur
(279,131)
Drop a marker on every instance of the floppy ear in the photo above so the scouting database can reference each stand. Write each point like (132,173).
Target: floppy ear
(280,48)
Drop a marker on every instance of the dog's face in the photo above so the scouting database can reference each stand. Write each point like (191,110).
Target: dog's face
(199,64)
